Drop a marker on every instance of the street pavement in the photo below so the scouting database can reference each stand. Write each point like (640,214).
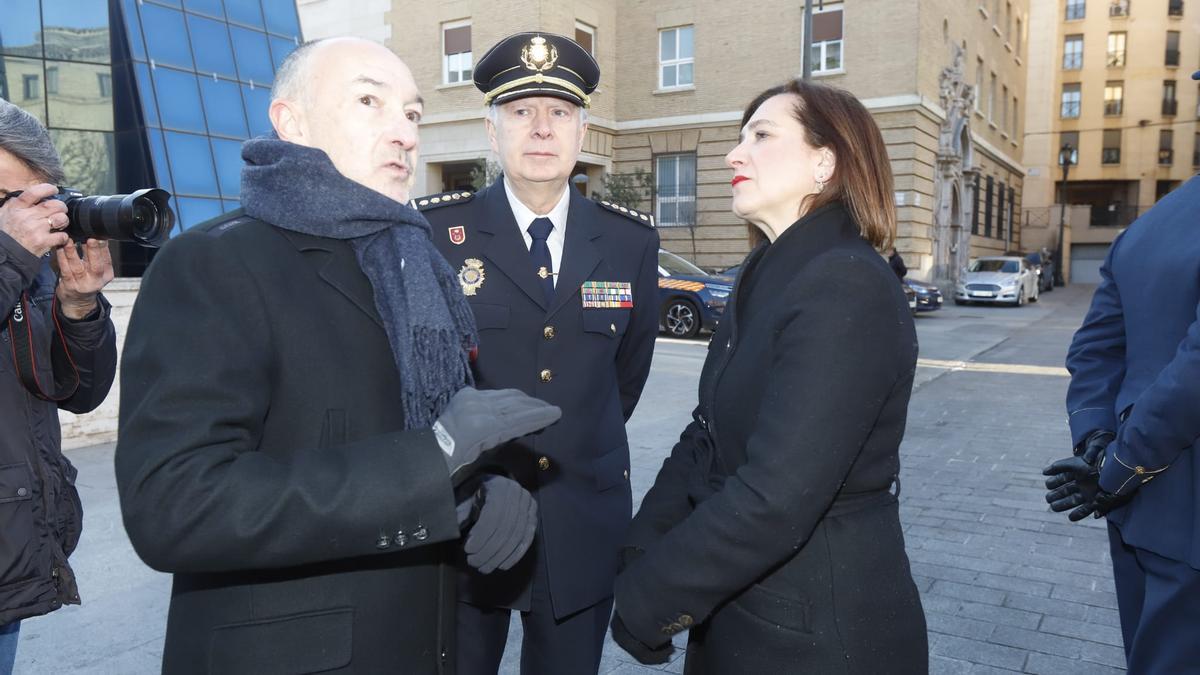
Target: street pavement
(1006,585)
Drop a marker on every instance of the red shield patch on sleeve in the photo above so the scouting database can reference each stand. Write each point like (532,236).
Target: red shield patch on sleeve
(458,234)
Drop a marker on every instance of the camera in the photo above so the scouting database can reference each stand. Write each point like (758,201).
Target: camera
(143,217)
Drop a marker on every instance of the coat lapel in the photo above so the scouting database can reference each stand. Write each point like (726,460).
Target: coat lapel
(506,248)
(337,266)
(580,256)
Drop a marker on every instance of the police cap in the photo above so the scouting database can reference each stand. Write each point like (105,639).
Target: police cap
(537,64)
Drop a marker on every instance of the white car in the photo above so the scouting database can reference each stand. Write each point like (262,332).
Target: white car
(1001,279)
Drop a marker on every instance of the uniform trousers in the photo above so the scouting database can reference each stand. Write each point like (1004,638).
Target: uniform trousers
(1159,602)
(568,646)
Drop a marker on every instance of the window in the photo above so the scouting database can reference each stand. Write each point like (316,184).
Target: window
(1175,8)
(163,28)
(252,55)
(1172,56)
(1116,50)
(1110,153)
(827,40)
(991,106)
(1166,147)
(585,35)
(1016,119)
(1000,210)
(1070,101)
(1170,105)
(675,189)
(191,164)
(1114,98)
(281,16)
(1070,138)
(217,54)
(1008,21)
(1196,150)
(104,82)
(456,52)
(676,58)
(52,80)
(1073,52)
(987,207)
(1119,8)
(179,104)
(31,87)
(1017,37)
(1004,108)
(975,201)
(979,86)
(1076,9)
(248,13)
(223,107)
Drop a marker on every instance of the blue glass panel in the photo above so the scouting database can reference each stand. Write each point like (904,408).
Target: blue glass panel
(173,3)
(79,95)
(75,30)
(165,36)
(22,84)
(88,159)
(247,12)
(21,27)
(258,100)
(211,40)
(158,152)
(209,7)
(133,29)
(146,93)
(231,206)
(229,166)
(281,17)
(191,164)
(280,48)
(223,107)
(253,57)
(178,100)
(193,211)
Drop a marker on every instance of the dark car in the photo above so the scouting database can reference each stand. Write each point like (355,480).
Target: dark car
(1044,266)
(690,298)
(929,297)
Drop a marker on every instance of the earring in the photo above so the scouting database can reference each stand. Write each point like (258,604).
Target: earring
(820,186)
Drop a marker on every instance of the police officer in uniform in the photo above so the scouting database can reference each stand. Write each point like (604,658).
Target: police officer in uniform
(564,291)
(1133,402)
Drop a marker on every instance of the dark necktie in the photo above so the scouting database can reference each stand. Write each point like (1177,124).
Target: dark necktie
(540,229)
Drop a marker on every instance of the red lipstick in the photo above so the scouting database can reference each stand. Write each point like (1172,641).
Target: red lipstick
(737,179)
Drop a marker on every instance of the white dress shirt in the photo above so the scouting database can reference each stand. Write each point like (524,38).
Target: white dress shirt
(558,215)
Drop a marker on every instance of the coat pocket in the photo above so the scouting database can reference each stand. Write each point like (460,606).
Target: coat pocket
(301,643)
(489,316)
(610,322)
(612,468)
(793,614)
(17,559)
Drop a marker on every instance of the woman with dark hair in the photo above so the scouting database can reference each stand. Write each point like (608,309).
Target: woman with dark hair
(771,531)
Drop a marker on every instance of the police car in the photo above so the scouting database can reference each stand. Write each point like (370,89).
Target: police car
(690,298)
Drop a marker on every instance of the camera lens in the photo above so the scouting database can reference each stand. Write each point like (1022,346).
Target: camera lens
(143,217)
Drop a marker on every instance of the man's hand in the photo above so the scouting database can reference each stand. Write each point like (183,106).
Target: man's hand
(80,279)
(1074,482)
(35,224)
(644,653)
(476,421)
(501,518)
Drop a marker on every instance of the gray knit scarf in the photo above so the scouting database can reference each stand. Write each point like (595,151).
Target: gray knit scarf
(428,321)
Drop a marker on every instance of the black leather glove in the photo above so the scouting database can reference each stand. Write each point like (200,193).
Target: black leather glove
(476,421)
(501,520)
(1074,482)
(644,653)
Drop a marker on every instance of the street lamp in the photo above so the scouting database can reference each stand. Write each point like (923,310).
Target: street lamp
(1065,155)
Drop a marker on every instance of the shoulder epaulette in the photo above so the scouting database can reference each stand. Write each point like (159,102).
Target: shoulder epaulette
(636,216)
(434,201)
(225,222)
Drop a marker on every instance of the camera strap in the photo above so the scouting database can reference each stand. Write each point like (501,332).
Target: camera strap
(20,331)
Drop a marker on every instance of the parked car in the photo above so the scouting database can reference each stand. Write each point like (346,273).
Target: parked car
(1000,279)
(1044,267)
(690,298)
(929,297)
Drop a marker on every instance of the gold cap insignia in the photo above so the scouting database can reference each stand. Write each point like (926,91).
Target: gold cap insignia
(539,55)
(471,276)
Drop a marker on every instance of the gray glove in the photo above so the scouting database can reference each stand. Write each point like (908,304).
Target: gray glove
(501,519)
(476,421)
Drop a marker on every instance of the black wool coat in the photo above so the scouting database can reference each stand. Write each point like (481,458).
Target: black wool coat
(263,460)
(770,531)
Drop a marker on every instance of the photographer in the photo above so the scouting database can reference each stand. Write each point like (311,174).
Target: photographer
(63,325)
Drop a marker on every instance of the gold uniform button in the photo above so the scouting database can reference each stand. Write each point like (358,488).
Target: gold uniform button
(548,332)
(685,620)
(544,463)
(546,375)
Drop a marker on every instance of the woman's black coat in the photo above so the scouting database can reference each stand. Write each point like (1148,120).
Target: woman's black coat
(771,531)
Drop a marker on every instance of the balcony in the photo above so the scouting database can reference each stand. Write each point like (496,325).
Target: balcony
(1170,107)
(1110,156)
(1113,108)
(1116,59)
(1119,8)
(1172,57)
(1076,9)
(1166,156)
(1175,8)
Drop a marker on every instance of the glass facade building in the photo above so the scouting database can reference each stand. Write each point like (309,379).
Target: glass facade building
(142,93)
